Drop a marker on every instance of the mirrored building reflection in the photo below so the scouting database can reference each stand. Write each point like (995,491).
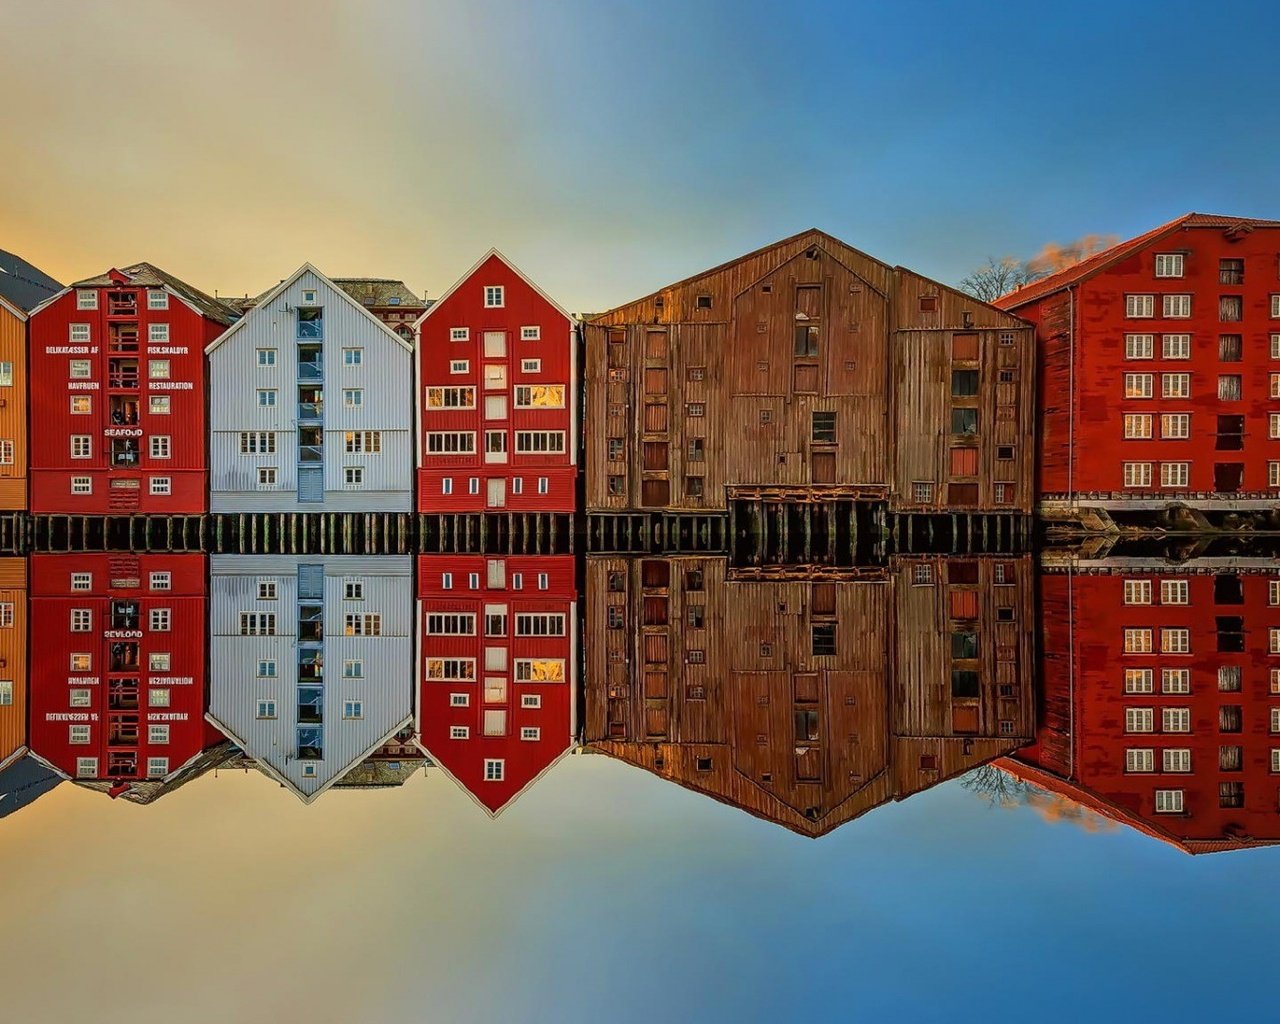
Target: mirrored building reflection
(311,661)
(1162,696)
(809,697)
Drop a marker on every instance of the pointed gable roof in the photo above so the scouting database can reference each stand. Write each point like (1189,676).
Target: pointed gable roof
(433,306)
(1100,261)
(147,275)
(23,286)
(263,301)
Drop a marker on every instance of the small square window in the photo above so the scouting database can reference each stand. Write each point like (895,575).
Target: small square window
(494,296)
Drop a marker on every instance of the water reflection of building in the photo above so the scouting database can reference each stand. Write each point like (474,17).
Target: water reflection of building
(1162,697)
(497,697)
(13,660)
(118,677)
(808,699)
(311,661)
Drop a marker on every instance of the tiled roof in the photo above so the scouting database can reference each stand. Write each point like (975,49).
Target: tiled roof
(145,275)
(23,285)
(1100,261)
(379,291)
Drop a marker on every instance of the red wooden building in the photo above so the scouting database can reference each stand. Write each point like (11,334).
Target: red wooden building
(497,382)
(1160,370)
(118,673)
(496,703)
(118,395)
(1161,703)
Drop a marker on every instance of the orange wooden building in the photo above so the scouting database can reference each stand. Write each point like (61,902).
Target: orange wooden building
(13,660)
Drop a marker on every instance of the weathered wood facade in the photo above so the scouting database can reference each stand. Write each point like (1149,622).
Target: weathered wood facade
(808,371)
(808,702)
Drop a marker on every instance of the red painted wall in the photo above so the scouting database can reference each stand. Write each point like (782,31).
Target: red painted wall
(1090,637)
(120,488)
(464,308)
(114,578)
(1100,366)
(524,760)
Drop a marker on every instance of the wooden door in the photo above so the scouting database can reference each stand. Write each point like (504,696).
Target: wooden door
(497,493)
(822,467)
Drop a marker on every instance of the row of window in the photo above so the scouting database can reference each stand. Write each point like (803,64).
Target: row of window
(464,365)
(527,670)
(1176,591)
(1178,385)
(264,624)
(1178,680)
(159,619)
(269,589)
(351,709)
(157,334)
(527,624)
(1178,474)
(462,732)
(517,485)
(157,486)
(87,298)
(80,735)
(1178,720)
(530,332)
(157,697)
(527,396)
(528,442)
(352,668)
(160,446)
(528,701)
(84,581)
(1177,640)
(157,661)
(354,442)
(1177,306)
(87,767)
(157,405)
(1178,346)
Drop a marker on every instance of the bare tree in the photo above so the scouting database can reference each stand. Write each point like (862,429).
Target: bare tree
(999,277)
(999,788)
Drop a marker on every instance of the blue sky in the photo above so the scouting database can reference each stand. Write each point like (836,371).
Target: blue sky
(613,147)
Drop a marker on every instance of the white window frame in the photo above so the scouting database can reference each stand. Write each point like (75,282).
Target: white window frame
(495,296)
(1169,264)
(531,332)
(1176,306)
(1175,346)
(1139,306)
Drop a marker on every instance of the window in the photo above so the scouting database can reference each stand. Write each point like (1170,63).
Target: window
(1175,640)
(1137,306)
(81,446)
(1169,264)
(1139,346)
(86,767)
(257,442)
(159,697)
(366,442)
(494,296)
(540,396)
(1137,591)
(1175,385)
(268,590)
(158,369)
(964,421)
(451,624)
(459,333)
(86,298)
(455,442)
(1174,592)
(81,620)
(160,446)
(1175,720)
(1176,306)
(454,397)
(81,485)
(81,405)
(266,357)
(1273,425)
(1176,346)
(533,333)
(964,383)
(493,767)
(81,369)
(531,700)
(1275,307)
(540,624)
(1138,680)
(696,409)
(267,476)
(1137,474)
(530,732)
(530,365)
(353,476)
(267,670)
(266,397)
(78,734)
(1229,387)
(1273,473)
(1175,680)
(459,700)
(1138,641)
(158,405)
(1230,348)
(459,732)
(257,623)
(158,734)
(1175,426)
(158,334)
(159,661)
(353,668)
(78,333)
(544,441)
(161,581)
(161,619)
(1275,385)
(352,357)
(1141,759)
(823,428)
(310,323)
(1138,385)
(823,639)
(353,709)
(922,491)
(365,624)
(1176,760)
(1175,474)
(1137,425)
(1139,720)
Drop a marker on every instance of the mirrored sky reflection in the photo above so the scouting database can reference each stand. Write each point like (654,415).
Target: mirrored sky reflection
(604,890)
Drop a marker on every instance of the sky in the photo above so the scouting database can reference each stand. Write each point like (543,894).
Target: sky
(607,894)
(613,146)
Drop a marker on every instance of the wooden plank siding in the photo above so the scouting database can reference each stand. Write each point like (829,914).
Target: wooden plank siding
(714,683)
(715,386)
(13,659)
(13,408)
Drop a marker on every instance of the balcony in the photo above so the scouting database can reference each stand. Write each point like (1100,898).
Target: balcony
(123,695)
(124,452)
(122,303)
(122,374)
(123,411)
(124,657)
(310,743)
(311,453)
(123,731)
(122,337)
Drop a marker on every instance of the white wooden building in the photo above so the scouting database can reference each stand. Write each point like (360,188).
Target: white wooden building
(310,406)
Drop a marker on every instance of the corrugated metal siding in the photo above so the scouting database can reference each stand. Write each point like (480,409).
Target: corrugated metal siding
(384,375)
(385,689)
